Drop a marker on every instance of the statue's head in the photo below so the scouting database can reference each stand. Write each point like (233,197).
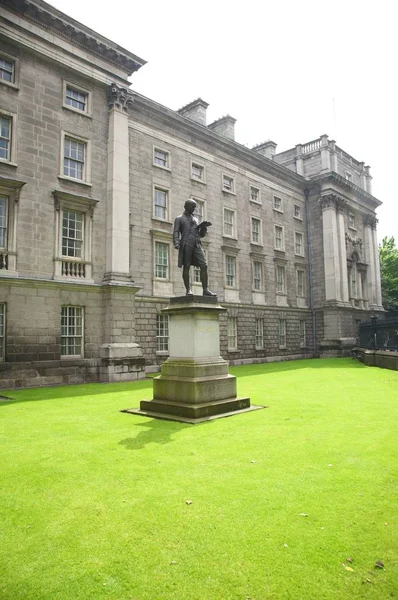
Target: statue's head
(190,205)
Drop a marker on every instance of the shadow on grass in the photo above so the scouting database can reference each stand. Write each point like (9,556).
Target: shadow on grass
(156,431)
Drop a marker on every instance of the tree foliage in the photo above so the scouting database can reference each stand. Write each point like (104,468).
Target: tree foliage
(389,273)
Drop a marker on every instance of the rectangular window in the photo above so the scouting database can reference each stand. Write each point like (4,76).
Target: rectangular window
(74,158)
(259,341)
(278,204)
(297,212)
(232,336)
(228,184)
(230,271)
(351,221)
(162,333)
(7,70)
(200,209)
(3,222)
(2,331)
(298,243)
(76,98)
(254,194)
(161,260)
(197,171)
(282,333)
(72,233)
(303,340)
(353,282)
(229,223)
(196,273)
(280,279)
(160,202)
(257,276)
(300,283)
(256,231)
(72,331)
(161,158)
(279,241)
(5,137)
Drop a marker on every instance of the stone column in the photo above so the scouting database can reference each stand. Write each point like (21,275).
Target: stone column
(369,223)
(118,206)
(378,297)
(341,207)
(331,249)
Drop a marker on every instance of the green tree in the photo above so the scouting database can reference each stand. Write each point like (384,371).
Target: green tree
(389,273)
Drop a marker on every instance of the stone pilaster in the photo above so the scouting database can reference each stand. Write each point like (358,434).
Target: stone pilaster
(117,211)
(372,258)
(340,208)
(331,249)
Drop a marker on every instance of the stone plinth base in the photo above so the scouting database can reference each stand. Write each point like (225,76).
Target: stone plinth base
(121,362)
(194,384)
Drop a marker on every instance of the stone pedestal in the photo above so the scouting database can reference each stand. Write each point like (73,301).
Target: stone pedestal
(194,384)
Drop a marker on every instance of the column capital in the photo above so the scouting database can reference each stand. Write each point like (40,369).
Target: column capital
(370,221)
(333,201)
(119,97)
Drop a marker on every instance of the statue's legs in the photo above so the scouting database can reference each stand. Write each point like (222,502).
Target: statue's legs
(185,277)
(204,278)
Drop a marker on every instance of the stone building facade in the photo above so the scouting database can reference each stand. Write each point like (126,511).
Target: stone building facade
(92,175)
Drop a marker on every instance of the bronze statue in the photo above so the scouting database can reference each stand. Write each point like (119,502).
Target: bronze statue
(187,236)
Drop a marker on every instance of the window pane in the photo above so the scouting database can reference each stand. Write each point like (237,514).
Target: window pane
(161,260)
(71,331)
(7,70)
(5,137)
(160,204)
(3,221)
(162,333)
(76,99)
(230,270)
(72,233)
(74,156)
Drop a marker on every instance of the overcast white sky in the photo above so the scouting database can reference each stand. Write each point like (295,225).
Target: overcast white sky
(286,70)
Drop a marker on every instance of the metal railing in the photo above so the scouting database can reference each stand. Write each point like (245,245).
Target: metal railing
(379,334)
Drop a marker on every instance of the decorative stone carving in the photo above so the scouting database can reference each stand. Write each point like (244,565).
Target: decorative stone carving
(370,221)
(119,97)
(353,246)
(334,201)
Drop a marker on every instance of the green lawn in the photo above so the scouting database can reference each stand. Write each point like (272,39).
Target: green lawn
(284,500)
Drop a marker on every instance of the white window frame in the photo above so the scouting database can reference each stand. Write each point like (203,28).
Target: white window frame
(15,61)
(298,286)
(259,333)
(275,200)
(253,187)
(232,334)
(195,273)
(233,224)
(348,176)
(299,215)
(351,221)
(67,267)
(155,264)
(87,158)
(282,333)
(79,89)
(8,255)
(302,333)
(280,282)
(10,159)
(254,278)
(203,203)
(167,166)
(282,247)
(76,336)
(196,163)
(3,327)
(229,188)
(299,235)
(229,273)
(258,242)
(164,189)
(162,334)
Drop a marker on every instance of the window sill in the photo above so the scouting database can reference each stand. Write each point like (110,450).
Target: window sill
(233,350)
(257,244)
(77,111)
(162,353)
(71,357)
(72,180)
(277,210)
(161,167)
(300,255)
(352,228)
(229,237)
(160,220)
(282,347)
(4,161)
(202,181)
(298,219)
(10,84)
(280,250)
(163,280)
(228,192)
(255,202)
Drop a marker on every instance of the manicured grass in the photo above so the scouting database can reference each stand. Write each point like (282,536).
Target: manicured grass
(93,501)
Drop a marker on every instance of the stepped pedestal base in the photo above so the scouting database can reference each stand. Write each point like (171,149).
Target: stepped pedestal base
(194,384)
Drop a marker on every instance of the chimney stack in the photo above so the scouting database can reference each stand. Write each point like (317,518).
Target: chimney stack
(224,126)
(196,111)
(267,149)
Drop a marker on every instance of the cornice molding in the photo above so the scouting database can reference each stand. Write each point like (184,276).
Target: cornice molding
(314,184)
(51,19)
